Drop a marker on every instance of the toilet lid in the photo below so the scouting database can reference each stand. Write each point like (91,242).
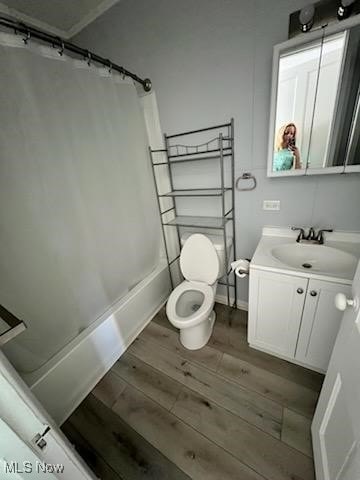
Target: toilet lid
(198,260)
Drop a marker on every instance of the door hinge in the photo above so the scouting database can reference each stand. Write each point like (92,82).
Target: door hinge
(39,439)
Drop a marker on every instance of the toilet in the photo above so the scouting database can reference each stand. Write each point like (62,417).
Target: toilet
(190,305)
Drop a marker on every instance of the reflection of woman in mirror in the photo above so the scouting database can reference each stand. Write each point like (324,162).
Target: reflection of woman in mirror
(286,154)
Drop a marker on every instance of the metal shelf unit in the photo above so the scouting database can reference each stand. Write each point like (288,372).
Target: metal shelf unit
(10,326)
(219,148)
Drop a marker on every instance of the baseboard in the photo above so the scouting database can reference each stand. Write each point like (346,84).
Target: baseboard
(240,304)
(288,359)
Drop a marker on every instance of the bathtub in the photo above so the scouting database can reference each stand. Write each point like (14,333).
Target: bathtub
(64,381)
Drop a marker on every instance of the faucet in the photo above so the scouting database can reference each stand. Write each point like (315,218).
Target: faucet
(301,235)
(311,235)
(320,236)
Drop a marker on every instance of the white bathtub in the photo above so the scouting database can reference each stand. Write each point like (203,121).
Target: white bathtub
(65,380)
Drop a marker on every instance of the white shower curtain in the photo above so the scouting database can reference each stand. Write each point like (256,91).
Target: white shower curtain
(78,224)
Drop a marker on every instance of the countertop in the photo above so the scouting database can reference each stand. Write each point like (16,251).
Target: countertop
(348,242)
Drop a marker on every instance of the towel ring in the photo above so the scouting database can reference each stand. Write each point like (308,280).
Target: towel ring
(246,176)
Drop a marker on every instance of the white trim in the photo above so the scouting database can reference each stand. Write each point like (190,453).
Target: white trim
(285,357)
(26,416)
(59,32)
(90,17)
(297,273)
(325,170)
(272,117)
(352,169)
(32,21)
(316,34)
(287,173)
(323,426)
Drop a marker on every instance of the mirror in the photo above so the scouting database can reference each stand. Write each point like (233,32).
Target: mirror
(315,112)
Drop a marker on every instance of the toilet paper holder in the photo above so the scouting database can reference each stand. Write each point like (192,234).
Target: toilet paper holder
(241,267)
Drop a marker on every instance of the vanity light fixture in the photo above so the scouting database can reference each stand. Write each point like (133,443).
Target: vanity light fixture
(345,9)
(306,17)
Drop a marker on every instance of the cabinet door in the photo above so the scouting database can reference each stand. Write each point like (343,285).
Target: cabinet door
(320,323)
(275,307)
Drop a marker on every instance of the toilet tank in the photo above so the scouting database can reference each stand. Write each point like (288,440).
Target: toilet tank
(218,242)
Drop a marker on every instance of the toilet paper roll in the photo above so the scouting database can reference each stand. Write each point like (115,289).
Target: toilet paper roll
(240,267)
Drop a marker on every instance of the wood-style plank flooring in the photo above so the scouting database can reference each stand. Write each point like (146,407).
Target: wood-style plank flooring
(223,412)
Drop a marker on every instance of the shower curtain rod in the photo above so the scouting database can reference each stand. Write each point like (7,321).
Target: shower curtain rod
(64,45)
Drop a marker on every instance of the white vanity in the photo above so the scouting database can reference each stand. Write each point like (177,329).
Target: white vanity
(292,312)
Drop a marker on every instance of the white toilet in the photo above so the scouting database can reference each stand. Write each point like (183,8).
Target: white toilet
(190,305)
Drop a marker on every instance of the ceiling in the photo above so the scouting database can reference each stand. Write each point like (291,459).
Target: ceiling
(64,18)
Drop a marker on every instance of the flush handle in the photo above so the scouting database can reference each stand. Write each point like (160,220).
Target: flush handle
(313,293)
(300,290)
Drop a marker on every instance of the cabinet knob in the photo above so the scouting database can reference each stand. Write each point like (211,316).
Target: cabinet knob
(300,290)
(313,293)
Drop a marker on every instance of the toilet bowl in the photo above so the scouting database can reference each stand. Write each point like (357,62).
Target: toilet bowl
(190,305)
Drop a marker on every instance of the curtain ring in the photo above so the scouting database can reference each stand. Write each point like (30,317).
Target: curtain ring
(27,38)
(88,58)
(61,51)
(110,66)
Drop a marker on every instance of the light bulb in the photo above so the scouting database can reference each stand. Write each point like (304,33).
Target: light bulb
(345,9)
(306,17)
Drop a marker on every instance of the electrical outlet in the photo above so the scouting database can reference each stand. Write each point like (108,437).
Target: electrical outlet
(273,205)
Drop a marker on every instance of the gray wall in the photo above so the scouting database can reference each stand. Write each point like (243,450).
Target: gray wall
(210,60)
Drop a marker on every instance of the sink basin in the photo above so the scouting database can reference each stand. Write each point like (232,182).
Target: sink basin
(315,258)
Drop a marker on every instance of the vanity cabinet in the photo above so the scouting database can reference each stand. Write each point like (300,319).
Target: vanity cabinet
(276,303)
(320,323)
(294,317)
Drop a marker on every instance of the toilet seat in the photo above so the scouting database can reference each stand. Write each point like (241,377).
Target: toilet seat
(204,310)
(199,261)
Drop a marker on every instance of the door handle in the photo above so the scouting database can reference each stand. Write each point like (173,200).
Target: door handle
(342,302)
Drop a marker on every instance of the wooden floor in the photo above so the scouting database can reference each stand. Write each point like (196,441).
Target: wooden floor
(223,412)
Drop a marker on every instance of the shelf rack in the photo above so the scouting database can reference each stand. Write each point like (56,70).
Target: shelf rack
(219,148)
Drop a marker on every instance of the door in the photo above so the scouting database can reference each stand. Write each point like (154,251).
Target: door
(336,424)
(320,323)
(31,445)
(275,306)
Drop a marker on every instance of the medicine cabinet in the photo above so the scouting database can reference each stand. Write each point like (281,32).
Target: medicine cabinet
(315,102)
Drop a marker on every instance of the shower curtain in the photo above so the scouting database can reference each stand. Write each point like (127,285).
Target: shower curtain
(78,225)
